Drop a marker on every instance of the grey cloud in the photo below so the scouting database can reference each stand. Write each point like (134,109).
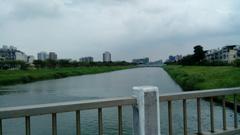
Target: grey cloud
(88,27)
(30,9)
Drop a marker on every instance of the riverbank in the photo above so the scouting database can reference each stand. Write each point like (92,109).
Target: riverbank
(205,77)
(25,76)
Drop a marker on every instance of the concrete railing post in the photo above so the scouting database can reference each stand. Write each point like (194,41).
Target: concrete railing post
(146,114)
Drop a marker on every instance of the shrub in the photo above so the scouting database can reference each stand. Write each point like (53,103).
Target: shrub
(26,79)
(237,63)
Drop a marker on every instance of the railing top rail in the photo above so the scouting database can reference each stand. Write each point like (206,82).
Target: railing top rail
(199,94)
(33,110)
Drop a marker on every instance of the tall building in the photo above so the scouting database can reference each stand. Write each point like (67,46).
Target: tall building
(107,57)
(52,56)
(42,56)
(86,59)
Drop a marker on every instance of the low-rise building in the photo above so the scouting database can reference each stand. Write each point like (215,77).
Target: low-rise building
(171,59)
(86,59)
(10,53)
(141,61)
(176,58)
(20,56)
(227,54)
(30,59)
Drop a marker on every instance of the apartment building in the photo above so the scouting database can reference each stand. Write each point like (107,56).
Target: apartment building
(10,53)
(226,54)
(86,59)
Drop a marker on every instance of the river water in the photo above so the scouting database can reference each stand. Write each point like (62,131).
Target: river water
(105,85)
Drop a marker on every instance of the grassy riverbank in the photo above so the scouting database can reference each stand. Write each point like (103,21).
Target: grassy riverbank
(205,77)
(25,76)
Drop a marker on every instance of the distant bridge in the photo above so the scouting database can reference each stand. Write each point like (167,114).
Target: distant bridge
(150,65)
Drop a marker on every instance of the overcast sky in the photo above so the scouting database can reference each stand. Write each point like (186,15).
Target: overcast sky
(127,28)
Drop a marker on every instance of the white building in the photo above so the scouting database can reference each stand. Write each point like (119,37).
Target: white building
(5,47)
(12,48)
(226,54)
(30,59)
(11,53)
(107,57)
(20,56)
(42,56)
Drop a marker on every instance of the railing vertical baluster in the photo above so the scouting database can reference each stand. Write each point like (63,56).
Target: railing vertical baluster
(185,116)
(27,125)
(78,123)
(119,120)
(54,124)
(100,122)
(199,119)
(146,113)
(235,112)
(212,115)
(1,127)
(170,131)
(224,113)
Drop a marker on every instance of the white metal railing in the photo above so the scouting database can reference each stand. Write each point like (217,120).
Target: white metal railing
(146,111)
(209,95)
(54,108)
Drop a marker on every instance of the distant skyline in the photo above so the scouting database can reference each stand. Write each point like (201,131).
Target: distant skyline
(127,28)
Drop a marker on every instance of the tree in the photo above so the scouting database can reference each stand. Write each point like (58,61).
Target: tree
(51,63)
(187,60)
(199,54)
(13,65)
(40,64)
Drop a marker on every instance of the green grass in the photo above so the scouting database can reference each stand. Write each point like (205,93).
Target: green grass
(26,76)
(205,77)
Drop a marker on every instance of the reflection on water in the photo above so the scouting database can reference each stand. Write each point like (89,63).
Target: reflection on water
(114,84)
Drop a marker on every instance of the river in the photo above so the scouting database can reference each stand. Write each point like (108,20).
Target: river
(105,85)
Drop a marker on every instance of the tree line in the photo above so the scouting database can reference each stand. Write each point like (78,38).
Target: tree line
(69,63)
(6,65)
